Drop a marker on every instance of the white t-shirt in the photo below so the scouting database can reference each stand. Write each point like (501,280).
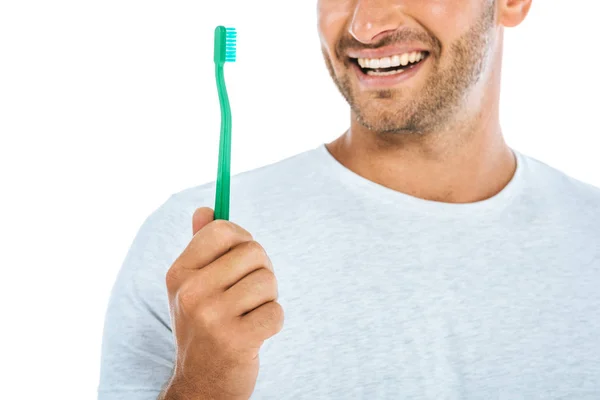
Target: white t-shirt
(387,296)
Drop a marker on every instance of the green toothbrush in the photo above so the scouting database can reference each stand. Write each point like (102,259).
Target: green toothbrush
(225,49)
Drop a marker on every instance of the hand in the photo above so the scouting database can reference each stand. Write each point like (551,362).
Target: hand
(222,293)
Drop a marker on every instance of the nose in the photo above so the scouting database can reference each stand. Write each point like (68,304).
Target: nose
(374,19)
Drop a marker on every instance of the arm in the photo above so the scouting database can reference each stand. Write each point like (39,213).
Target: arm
(137,345)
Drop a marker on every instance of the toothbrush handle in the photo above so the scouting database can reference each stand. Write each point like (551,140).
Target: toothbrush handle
(224,167)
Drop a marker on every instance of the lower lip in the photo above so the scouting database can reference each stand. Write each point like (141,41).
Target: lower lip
(386,81)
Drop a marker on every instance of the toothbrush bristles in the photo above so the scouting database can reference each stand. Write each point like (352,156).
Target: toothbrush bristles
(230,44)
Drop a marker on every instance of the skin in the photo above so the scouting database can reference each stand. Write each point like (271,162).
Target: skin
(436,136)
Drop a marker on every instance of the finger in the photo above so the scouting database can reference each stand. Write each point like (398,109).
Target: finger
(211,242)
(263,322)
(207,245)
(202,216)
(230,268)
(254,290)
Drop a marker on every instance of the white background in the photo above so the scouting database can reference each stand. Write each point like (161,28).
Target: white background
(108,107)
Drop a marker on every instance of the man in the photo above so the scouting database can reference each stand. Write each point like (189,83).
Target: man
(417,256)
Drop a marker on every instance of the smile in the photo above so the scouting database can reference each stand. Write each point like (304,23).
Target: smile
(387,71)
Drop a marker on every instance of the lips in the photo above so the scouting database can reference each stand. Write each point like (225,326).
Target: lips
(387,51)
(386,77)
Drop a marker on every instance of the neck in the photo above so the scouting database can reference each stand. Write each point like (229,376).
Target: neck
(467,161)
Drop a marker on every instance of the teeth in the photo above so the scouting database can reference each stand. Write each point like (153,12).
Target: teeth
(373,73)
(404,59)
(394,61)
(385,62)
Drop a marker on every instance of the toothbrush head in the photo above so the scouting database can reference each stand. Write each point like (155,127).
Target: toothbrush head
(225,44)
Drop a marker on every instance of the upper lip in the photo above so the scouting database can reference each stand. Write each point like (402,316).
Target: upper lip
(385,51)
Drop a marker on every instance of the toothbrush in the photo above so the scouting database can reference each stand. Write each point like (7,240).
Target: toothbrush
(225,51)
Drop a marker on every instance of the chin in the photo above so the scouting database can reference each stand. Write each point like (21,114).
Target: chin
(384,125)
(380,117)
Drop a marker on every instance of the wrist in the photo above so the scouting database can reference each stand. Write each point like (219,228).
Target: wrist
(178,389)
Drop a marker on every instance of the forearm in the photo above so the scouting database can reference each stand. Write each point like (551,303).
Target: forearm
(177,390)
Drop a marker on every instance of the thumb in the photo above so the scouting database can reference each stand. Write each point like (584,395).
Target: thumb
(202,216)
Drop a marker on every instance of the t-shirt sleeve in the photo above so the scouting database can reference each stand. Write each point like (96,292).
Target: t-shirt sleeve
(138,351)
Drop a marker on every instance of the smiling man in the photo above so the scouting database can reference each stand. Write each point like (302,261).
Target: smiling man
(417,256)
(422,79)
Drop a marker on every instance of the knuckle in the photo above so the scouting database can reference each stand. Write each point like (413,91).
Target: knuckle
(223,229)
(172,278)
(264,280)
(267,277)
(208,314)
(276,311)
(187,300)
(280,311)
(259,255)
(256,250)
(278,316)
(273,317)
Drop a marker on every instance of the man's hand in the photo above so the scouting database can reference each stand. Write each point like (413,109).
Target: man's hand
(222,293)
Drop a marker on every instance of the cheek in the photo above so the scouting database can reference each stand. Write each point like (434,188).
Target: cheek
(448,19)
(444,20)
(439,9)
(333,16)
